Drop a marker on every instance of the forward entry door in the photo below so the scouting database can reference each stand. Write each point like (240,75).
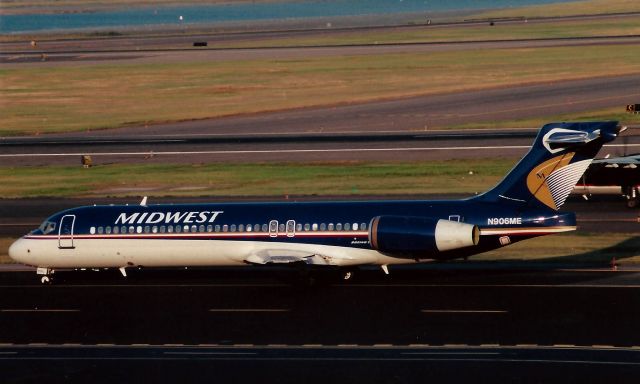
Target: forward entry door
(65,233)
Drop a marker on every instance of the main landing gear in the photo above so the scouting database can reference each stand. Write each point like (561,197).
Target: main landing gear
(633,196)
(347,275)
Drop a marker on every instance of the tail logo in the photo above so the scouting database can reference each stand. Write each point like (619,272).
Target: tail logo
(552,181)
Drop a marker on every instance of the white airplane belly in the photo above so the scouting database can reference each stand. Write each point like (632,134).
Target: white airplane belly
(106,253)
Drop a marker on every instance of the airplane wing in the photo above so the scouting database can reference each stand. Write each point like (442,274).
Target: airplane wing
(287,256)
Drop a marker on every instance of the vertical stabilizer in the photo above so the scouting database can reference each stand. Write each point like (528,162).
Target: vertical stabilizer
(559,156)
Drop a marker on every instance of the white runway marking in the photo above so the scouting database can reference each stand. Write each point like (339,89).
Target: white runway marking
(462,311)
(262,151)
(281,151)
(39,310)
(450,353)
(209,353)
(243,310)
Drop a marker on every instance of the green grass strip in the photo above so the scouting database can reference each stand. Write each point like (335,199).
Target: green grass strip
(349,178)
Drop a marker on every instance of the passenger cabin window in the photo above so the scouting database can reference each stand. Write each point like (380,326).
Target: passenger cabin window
(307,226)
(170,229)
(323,227)
(330,226)
(92,230)
(347,226)
(217,228)
(154,229)
(264,227)
(355,226)
(363,226)
(209,228)
(100,230)
(178,228)
(132,229)
(116,230)
(232,228)
(339,227)
(107,230)
(163,229)
(147,229)
(314,227)
(225,228)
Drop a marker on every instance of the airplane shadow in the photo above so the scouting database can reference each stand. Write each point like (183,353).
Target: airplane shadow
(624,250)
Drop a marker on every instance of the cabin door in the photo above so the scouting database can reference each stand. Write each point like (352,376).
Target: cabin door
(65,232)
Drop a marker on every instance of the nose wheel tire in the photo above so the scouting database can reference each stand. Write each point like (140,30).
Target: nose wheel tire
(46,280)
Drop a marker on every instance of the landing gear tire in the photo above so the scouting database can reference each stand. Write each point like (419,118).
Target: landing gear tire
(46,280)
(633,196)
(347,275)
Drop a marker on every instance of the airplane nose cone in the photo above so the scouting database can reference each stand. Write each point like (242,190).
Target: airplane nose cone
(18,251)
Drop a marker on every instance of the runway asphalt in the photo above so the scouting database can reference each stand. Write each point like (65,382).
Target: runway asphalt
(447,324)
(260,148)
(515,322)
(412,147)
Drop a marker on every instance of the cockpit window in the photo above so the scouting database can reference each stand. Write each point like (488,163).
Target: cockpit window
(47,227)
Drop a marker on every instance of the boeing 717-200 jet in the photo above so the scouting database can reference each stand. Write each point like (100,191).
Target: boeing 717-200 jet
(523,205)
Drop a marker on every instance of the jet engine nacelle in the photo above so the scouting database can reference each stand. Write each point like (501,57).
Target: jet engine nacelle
(407,236)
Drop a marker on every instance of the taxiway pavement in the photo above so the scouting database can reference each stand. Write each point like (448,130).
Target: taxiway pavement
(449,323)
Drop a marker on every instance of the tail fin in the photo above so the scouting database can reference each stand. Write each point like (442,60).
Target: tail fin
(556,161)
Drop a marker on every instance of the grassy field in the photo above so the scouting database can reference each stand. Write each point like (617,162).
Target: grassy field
(73,98)
(592,248)
(254,179)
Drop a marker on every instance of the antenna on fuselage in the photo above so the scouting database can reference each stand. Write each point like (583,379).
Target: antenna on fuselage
(144,201)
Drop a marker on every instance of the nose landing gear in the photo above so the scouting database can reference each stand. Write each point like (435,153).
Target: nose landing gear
(45,275)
